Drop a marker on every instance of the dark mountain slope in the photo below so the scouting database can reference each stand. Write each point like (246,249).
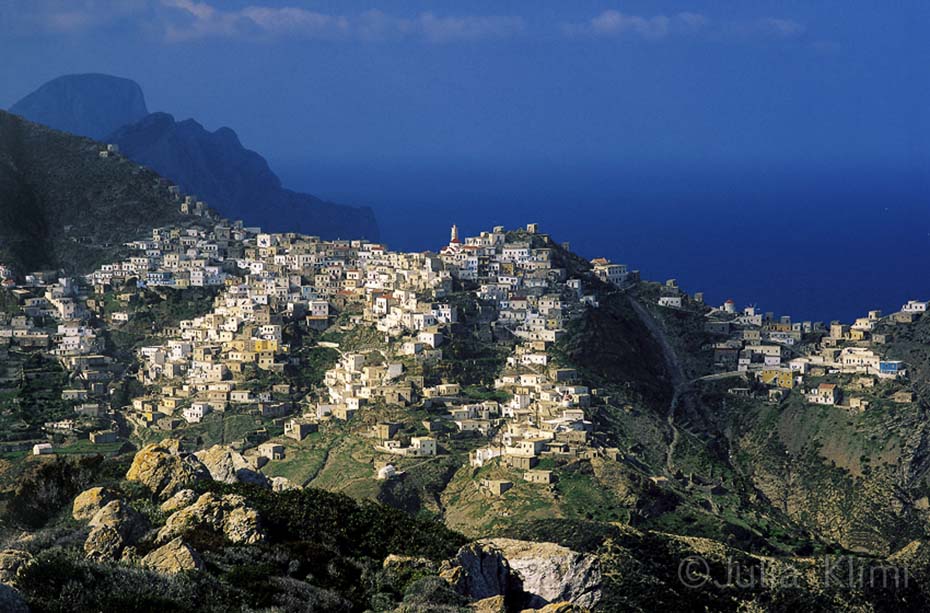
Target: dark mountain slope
(235,180)
(91,105)
(62,205)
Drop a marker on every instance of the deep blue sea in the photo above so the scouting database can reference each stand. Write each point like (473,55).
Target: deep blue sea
(809,242)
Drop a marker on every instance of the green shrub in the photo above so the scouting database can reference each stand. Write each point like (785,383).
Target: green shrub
(353,528)
(59,582)
(45,491)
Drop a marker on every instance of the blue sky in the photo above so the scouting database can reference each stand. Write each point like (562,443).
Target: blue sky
(559,82)
(740,146)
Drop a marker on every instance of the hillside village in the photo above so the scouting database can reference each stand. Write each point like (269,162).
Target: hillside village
(836,364)
(270,295)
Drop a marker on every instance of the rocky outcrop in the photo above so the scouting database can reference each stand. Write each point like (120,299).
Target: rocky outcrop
(228,466)
(164,470)
(558,607)
(551,573)
(399,564)
(212,517)
(494,604)
(477,571)
(401,570)
(180,500)
(282,484)
(173,557)
(11,561)
(88,502)
(113,528)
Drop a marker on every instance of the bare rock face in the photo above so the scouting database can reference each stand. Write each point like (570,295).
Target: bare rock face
(401,570)
(113,528)
(104,543)
(400,563)
(164,470)
(282,484)
(11,561)
(551,573)
(228,466)
(88,502)
(118,514)
(218,516)
(494,604)
(174,557)
(477,571)
(181,499)
(558,607)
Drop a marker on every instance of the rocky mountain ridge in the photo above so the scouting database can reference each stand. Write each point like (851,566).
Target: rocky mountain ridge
(236,181)
(214,166)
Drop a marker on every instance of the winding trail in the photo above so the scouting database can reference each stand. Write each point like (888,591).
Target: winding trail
(676,372)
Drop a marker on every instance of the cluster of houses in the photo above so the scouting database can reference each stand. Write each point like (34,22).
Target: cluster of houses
(532,300)
(266,281)
(55,317)
(783,355)
(234,355)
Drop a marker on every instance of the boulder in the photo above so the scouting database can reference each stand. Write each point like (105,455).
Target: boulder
(494,604)
(401,570)
(114,527)
(399,563)
(11,561)
(164,470)
(180,500)
(130,556)
(558,607)
(174,557)
(104,543)
(88,502)
(219,516)
(477,571)
(551,573)
(282,484)
(228,466)
(119,515)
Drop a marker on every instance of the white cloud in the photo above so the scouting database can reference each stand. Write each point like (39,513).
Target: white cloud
(446,29)
(187,20)
(200,19)
(783,28)
(613,23)
(67,16)
(290,20)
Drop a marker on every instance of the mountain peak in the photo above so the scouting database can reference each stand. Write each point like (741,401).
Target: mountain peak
(214,166)
(91,104)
